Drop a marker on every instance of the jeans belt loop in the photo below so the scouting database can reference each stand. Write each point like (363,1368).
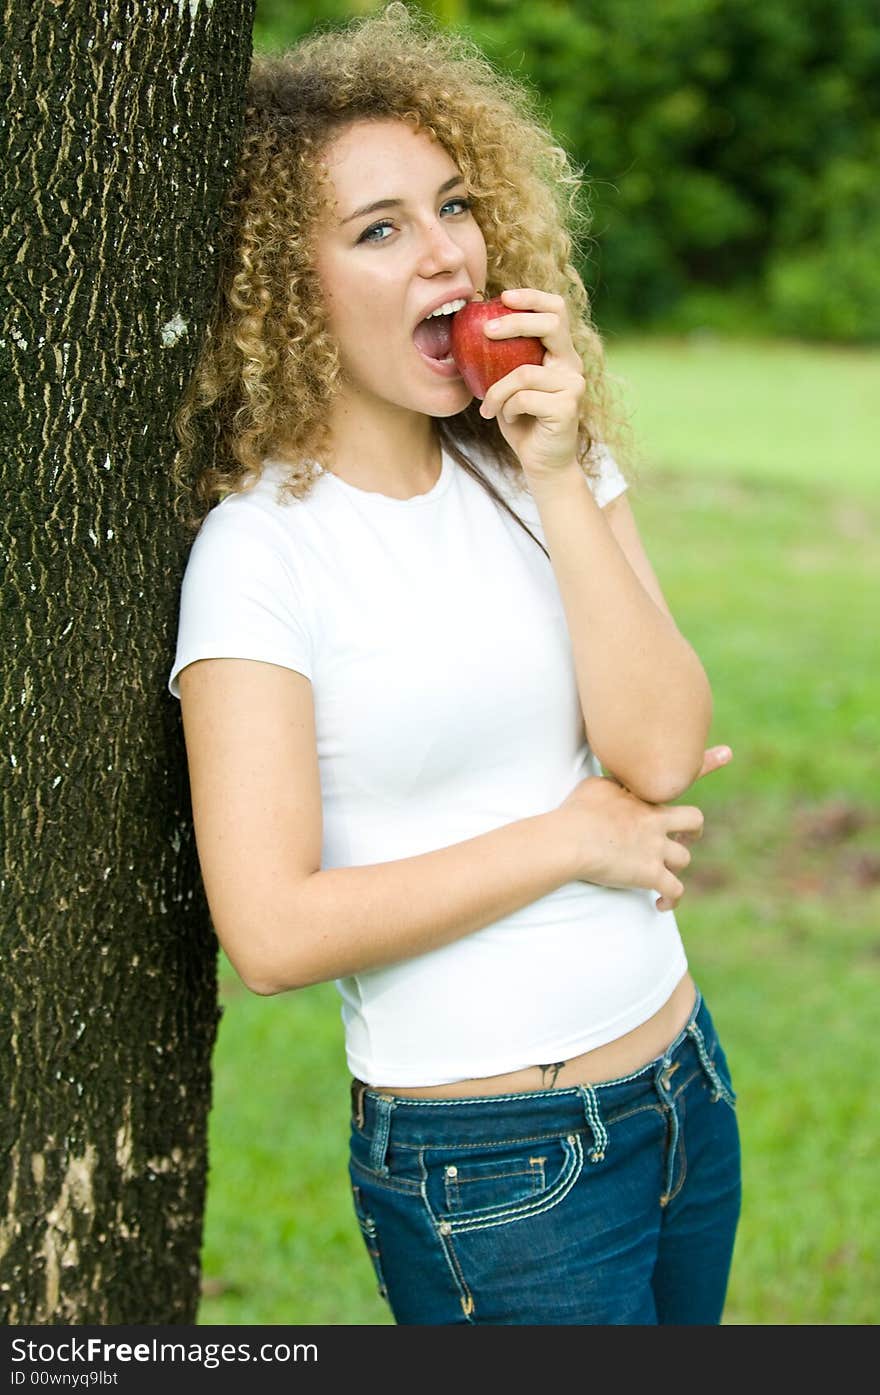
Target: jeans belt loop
(594,1119)
(379,1145)
(718,1090)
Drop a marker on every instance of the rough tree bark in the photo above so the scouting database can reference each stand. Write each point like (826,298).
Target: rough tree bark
(122,122)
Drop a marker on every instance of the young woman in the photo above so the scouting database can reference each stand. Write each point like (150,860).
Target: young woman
(414,630)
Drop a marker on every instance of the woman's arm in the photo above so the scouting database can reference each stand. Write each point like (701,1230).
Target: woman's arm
(645,696)
(285,923)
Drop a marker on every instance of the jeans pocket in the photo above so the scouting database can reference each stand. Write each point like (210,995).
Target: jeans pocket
(495,1184)
(473,1185)
(370,1235)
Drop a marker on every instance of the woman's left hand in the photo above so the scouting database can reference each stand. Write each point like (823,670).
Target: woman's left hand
(537,406)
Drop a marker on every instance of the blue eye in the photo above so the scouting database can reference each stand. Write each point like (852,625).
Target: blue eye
(464,204)
(377,227)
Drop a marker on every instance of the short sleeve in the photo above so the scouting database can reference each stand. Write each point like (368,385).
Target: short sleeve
(609,482)
(240,597)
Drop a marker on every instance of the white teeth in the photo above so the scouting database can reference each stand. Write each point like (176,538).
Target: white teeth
(448,309)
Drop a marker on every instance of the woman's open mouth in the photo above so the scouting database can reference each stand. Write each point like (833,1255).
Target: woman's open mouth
(433,338)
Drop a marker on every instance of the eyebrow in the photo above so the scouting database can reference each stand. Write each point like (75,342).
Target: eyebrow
(395,203)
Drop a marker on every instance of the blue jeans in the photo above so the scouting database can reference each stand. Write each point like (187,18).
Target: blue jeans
(614,1203)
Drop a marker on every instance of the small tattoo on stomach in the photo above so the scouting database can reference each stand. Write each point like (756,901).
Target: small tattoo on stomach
(552,1072)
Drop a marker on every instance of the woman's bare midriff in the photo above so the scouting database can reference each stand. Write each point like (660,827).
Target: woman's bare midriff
(620,1057)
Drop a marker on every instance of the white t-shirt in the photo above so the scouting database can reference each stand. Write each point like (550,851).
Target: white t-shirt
(446,704)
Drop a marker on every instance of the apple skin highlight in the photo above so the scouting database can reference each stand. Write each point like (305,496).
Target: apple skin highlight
(481,361)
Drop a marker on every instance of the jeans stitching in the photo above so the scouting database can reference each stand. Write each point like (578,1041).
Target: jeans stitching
(483,1099)
(719,1089)
(452,1264)
(594,1119)
(403,1185)
(410,1187)
(559,1190)
(370,1234)
(456,1186)
(680,1148)
(630,1113)
(556,1136)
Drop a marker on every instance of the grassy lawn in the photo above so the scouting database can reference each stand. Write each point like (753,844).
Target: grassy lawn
(758,506)
(780,411)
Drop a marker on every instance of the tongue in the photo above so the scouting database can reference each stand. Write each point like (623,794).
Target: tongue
(434,337)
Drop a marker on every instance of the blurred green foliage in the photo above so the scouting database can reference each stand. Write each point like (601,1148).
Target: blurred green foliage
(730,148)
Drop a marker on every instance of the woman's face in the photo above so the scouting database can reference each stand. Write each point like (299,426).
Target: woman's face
(382,271)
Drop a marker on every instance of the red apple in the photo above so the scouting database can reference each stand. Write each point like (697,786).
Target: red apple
(482,361)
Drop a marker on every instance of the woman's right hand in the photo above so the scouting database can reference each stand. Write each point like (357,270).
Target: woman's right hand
(620,841)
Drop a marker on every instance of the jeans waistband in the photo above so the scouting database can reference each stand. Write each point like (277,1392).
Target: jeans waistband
(415,1120)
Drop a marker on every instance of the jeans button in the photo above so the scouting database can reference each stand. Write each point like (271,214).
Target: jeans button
(667,1075)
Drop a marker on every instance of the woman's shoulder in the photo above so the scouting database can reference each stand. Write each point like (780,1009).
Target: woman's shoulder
(262,507)
(264,493)
(251,532)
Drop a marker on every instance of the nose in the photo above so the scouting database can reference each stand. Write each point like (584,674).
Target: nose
(439,250)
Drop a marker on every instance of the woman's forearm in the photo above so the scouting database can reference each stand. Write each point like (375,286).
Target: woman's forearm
(645,696)
(347,920)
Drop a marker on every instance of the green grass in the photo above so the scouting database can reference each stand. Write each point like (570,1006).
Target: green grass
(281,1241)
(754,410)
(763,533)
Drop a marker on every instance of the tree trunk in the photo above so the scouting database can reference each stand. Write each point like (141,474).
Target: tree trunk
(123,122)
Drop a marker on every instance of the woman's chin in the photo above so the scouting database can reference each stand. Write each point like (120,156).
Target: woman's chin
(442,398)
(446,379)
(463,401)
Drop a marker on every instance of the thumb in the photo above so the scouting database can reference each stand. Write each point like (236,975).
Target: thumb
(714,758)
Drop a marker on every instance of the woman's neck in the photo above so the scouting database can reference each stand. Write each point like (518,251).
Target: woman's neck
(396,453)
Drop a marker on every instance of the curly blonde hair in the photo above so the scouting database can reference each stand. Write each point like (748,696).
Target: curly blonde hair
(268,367)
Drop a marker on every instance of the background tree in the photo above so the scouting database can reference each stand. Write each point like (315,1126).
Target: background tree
(731,148)
(122,124)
